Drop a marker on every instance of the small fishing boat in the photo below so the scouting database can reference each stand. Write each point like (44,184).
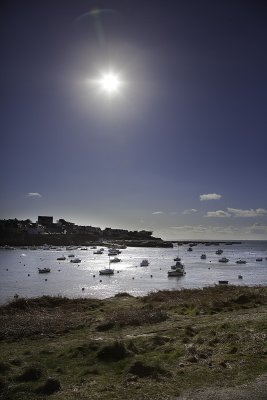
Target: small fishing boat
(203,256)
(223,282)
(115,260)
(219,251)
(259,259)
(98,251)
(44,270)
(241,261)
(177,270)
(75,260)
(223,260)
(144,263)
(107,271)
(62,258)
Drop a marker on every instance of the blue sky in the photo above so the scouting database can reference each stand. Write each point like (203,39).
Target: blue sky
(190,119)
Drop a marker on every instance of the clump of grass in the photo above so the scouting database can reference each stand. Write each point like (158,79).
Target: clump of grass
(209,299)
(48,302)
(142,370)
(4,367)
(51,386)
(31,373)
(190,331)
(105,326)
(123,294)
(3,384)
(113,352)
(136,317)
(84,349)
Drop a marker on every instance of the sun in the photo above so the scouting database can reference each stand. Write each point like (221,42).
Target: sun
(110,83)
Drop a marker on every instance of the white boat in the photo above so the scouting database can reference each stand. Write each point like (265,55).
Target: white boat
(61,258)
(98,251)
(113,252)
(43,270)
(223,260)
(75,260)
(115,260)
(240,262)
(203,256)
(144,263)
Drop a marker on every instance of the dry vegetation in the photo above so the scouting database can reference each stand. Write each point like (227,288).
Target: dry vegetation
(153,347)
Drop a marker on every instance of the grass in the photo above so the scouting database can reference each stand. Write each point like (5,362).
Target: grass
(127,347)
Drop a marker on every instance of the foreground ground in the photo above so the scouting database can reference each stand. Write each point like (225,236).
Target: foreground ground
(190,344)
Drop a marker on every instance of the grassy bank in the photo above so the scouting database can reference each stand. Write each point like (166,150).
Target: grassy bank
(152,347)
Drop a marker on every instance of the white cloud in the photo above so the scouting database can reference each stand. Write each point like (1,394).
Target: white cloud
(210,196)
(191,211)
(190,228)
(33,194)
(157,212)
(258,212)
(258,229)
(218,214)
(236,212)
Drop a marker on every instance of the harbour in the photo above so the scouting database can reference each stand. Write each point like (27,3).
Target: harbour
(20,275)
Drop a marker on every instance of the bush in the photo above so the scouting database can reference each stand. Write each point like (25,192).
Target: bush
(113,352)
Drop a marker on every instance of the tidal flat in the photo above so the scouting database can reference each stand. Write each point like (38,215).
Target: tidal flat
(159,346)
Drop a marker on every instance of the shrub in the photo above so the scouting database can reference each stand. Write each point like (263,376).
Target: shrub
(113,352)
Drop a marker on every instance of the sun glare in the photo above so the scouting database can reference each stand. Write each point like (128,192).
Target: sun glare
(110,83)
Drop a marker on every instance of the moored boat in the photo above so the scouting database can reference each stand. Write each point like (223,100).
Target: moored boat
(106,271)
(43,270)
(241,261)
(75,260)
(223,260)
(177,270)
(203,256)
(98,251)
(144,263)
(115,260)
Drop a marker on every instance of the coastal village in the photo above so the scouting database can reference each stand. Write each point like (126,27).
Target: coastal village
(45,231)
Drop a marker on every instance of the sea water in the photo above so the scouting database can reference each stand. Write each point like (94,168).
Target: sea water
(19,270)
